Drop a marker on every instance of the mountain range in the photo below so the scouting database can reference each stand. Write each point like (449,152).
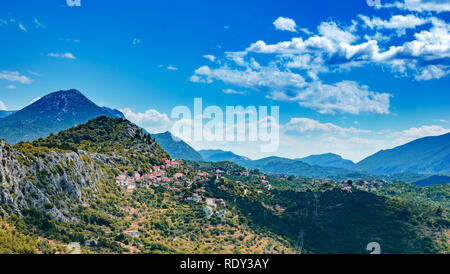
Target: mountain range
(64,109)
(217,155)
(429,155)
(328,160)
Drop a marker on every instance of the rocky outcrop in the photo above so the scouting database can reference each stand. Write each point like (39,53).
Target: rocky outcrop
(49,180)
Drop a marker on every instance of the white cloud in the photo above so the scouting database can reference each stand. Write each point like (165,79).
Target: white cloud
(232,91)
(333,32)
(291,70)
(170,67)
(398,22)
(335,49)
(432,72)
(11,87)
(345,96)
(421,5)
(34,100)
(152,120)
(22,27)
(285,24)
(62,55)
(424,131)
(268,77)
(302,125)
(38,24)
(210,57)
(136,41)
(2,106)
(14,76)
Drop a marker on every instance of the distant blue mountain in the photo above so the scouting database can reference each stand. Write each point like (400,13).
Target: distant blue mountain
(433,180)
(53,113)
(429,155)
(114,112)
(176,148)
(217,155)
(277,165)
(6,113)
(328,160)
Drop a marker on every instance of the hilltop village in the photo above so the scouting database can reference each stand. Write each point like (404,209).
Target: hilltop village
(175,175)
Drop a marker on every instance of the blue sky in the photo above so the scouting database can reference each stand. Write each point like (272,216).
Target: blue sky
(349,78)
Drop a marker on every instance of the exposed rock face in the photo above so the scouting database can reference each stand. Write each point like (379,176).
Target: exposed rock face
(51,181)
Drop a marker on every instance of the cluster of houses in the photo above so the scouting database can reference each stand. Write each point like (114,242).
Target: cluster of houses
(155,176)
(158,176)
(212,205)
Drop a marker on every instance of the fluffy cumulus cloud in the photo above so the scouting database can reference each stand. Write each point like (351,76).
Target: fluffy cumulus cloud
(210,57)
(306,125)
(152,120)
(15,76)
(424,131)
(343,97)
(67,55)
(437,6)
(292,70)
(285,24)
(397,22)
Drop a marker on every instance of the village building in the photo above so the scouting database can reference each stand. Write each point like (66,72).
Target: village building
(133,233)
(222,214)
(211,202)
(208,211)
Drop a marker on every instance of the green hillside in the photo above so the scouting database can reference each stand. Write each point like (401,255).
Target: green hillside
(75,187)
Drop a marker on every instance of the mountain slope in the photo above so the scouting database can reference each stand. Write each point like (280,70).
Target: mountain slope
(48,173)
(430,155)
(279,165)
(433,180)
(6,113)
(328,160)
(52,113)
(176,147)
(217,155)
